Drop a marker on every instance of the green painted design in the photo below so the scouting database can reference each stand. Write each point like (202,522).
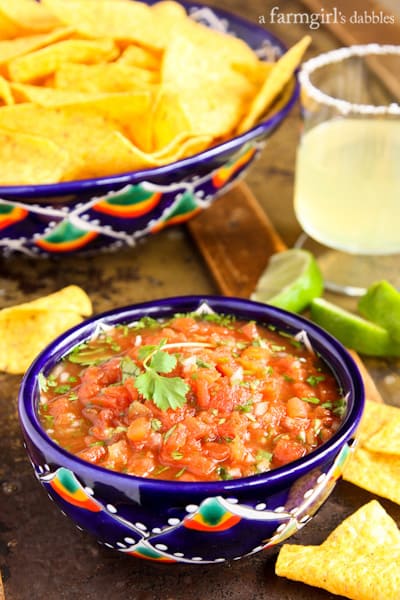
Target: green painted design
(64,232)
(212,511)
(6,209)
(134,195)
(185,205)
(237,156)
(68,480)
(147,552)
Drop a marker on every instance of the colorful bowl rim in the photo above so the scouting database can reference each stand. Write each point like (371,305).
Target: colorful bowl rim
(131,177)
(328,347)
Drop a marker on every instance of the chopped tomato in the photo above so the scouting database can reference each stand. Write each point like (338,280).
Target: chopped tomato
(250,399)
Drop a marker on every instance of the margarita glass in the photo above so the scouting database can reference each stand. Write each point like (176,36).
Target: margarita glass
(347,186)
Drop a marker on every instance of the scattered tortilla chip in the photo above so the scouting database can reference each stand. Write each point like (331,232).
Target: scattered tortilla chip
(387,439)
(375,464)
(280,75)
(359,560)
(376,472)
(28,159)
(26,332)
(27,328)
(71,297)
(41,63)
(378,529)
(375,416)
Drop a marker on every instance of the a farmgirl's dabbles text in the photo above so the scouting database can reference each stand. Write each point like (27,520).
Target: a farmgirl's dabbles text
(194,398)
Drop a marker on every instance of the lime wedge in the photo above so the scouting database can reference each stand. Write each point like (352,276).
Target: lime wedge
(290,281)
(381,304)
(353,331)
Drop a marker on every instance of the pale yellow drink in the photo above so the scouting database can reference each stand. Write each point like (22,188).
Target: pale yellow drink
(347,190)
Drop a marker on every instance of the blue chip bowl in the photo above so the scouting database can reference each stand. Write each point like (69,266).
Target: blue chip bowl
(196,523)
(107,213)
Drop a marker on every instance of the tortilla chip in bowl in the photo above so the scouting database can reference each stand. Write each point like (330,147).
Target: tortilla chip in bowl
(132,129)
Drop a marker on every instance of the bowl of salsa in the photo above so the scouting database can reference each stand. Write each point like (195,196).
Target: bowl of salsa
(191,429)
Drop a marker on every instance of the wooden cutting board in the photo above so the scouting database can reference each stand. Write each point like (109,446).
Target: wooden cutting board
(236,240)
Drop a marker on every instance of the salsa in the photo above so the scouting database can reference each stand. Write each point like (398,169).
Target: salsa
(192,398)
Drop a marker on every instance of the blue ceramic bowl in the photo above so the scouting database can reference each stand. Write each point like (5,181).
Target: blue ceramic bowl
(110,212)
(170,521)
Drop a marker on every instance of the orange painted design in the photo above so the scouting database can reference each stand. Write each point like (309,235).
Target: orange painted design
(162,559)
(15,215)
(128,211)
(77,498)
(177,220)
(68,245)
(198,523)
(226,172)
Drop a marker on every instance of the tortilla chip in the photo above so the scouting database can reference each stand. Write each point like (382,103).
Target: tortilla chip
(71,297)
(94,144)
(27,328)
(378,529)
(27,159)
(103,78)
(375,416)
(168,119)
(275,82)
(19,17)
(387,439)
(202,81)
(376,472)
(25,332)
(136,56)
(359,560)
(118,107)
(45,96)
(10,49)
(5,91)
(118,85)
(118,20)
(170,16)
(41,63)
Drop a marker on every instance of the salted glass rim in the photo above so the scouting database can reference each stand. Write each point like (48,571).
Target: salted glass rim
(338,55)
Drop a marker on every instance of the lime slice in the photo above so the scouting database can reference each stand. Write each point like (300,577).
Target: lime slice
(381,304)
(290,281)
(353,331)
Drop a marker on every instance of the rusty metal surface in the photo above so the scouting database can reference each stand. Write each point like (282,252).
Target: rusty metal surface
(42,554)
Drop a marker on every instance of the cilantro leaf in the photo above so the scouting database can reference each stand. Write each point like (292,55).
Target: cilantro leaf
(128,368)
(145,351)
(169,392)
(165,392)
(145,384)
(311,399)
(163,362)
(315,379)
